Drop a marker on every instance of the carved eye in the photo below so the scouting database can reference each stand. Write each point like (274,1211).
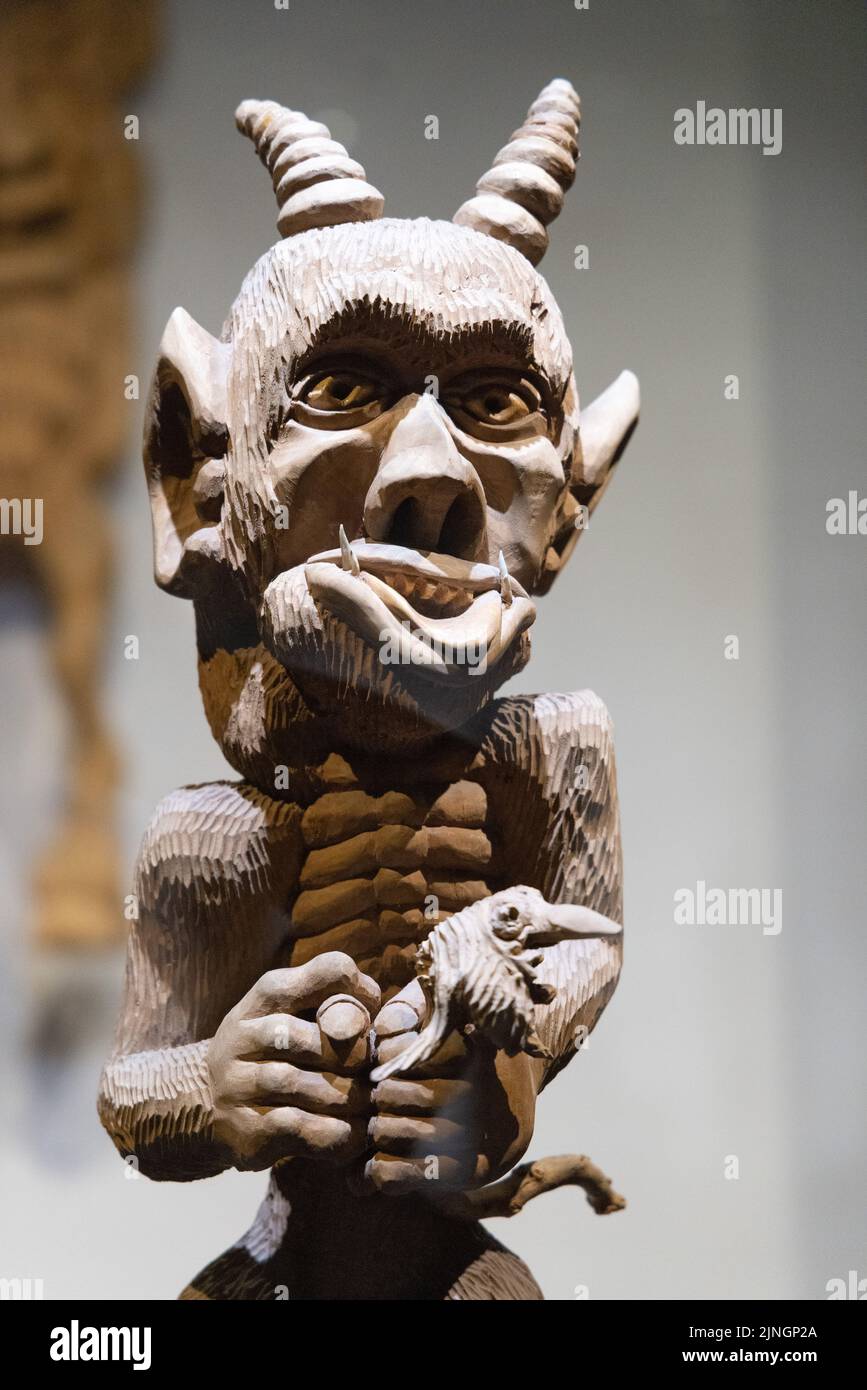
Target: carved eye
(497,405)
(345,392)
(496,401)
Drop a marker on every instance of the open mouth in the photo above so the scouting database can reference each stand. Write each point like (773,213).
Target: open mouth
(433,611)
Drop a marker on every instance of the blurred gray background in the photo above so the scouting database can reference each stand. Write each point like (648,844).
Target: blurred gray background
(704,261)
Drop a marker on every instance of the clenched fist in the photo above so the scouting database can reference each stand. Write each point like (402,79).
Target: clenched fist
(285,1085)
(461,1119)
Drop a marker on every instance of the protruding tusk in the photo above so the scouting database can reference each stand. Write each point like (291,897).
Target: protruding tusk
(350,559)
(505,582)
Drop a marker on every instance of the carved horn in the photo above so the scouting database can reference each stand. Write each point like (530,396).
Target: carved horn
(316,183)
(523,191)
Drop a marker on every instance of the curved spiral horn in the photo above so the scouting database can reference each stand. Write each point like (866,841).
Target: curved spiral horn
(316,183)
(523,191)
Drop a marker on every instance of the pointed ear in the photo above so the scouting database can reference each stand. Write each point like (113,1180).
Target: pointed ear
(185,437)
(605,429)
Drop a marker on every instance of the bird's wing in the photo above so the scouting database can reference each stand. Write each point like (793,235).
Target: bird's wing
(556,755)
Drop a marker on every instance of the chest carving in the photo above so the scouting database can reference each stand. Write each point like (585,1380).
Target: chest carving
(379,871)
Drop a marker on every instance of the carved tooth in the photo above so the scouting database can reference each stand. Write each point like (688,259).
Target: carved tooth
(350,559)
(505,582)
(448,595)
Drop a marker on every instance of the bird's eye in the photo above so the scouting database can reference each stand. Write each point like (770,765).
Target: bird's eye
(496,402)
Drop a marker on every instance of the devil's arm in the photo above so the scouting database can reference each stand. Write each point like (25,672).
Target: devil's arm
(553,758)
(209,924)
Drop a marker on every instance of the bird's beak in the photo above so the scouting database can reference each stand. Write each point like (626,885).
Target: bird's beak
(566,922)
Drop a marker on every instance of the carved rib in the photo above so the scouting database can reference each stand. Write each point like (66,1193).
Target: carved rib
(315,181)
(523,190)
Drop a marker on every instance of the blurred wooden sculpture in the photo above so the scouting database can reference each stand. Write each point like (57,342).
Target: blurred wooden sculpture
(69,215)
(359,965)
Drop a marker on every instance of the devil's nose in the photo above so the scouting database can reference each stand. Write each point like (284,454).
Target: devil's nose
(425,495)
(426,504)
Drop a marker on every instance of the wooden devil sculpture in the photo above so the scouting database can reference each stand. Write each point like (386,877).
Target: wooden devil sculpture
(362,485)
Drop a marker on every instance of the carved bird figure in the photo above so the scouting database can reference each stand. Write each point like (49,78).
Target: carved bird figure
(477,970)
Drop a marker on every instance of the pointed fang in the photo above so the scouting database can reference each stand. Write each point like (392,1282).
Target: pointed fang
(505,582)
(350,559)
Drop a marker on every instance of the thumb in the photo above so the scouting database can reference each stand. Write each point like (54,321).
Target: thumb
(406,1012)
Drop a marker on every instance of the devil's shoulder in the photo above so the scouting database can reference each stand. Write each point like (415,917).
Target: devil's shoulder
(545,731)
(212,847)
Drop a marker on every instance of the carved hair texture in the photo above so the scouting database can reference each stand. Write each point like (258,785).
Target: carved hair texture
(523,190)
(316,182)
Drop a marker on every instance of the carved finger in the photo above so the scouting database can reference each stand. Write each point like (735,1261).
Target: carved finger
(283,1038)
(319,1093)
(401,1097)
(396,1176)
(343,1019)
(447,1060)
(300,987)
(405,1013)
(291,1133)
(407,1134)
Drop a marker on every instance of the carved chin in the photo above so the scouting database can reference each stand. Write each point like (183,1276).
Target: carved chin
(427,636)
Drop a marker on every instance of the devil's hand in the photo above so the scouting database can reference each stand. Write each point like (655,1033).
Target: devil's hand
(460,1119)
(281,1087)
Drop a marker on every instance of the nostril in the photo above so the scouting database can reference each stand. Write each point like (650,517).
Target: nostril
(404,527)
(452,527)
(461,528)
